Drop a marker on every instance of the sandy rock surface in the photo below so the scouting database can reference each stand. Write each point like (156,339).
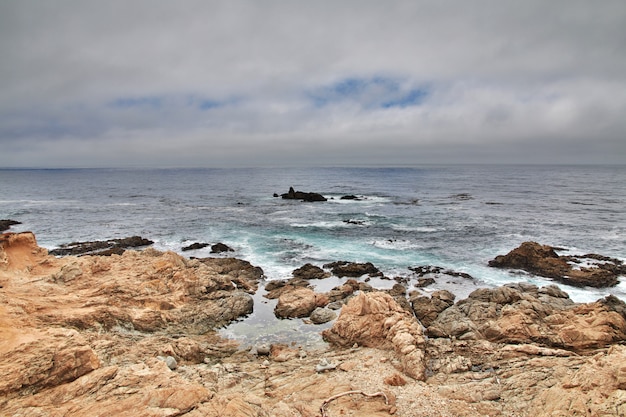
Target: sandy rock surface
(88,337)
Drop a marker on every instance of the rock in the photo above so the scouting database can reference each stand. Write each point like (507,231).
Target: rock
(6,224)
(241,273)
(395,380)
(352,269)
(170,361)
(350,197)
(304,196)
(310,271)
(542,260)
(427,309)
(324,365)
(299,302)
(322,315)
(424,282)
(522,313)
(220,248)
(376,320)
(195,246)
(104,248)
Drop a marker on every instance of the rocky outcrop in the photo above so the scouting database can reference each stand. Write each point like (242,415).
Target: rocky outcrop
(523,313)
(585,270)
(427,309)
(104,247)
(299,302)
(310,271)
(6,224)
(220,248)
(304,196)
(194,246)
(376,320)
(352,269)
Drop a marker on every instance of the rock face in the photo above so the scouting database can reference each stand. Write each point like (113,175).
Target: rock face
(304,196)
(105,248)
(310,271)
(586,270)
(523,313)
(376,320)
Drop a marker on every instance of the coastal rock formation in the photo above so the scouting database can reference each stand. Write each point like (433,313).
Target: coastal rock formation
(427,309)
(194,246)
(132,335)
(304,196)
(586,270)
(220,248)
(299,302)
(352,269)
(6,224)
(376,320)
(523,313)
(310,271)
(104,247)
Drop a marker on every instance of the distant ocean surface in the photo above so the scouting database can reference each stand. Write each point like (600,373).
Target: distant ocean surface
(457,217)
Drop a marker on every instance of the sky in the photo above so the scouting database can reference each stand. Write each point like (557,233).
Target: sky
(316,83)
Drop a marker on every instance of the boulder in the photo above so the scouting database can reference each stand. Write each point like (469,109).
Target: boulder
(586,270)
(299,302)
(220,248)
(6,224)
(310,271)
(376,320)
(322,315)
(427,309)
(304,196)
(352,269)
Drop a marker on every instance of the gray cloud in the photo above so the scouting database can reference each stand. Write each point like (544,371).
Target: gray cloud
(331,83)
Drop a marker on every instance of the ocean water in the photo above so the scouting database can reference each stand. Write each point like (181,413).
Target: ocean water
(457,217)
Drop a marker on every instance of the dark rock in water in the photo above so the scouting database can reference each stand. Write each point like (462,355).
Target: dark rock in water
(310,271)
(352,269)
(357,222)
(350,197)
(220,247)
(304,196)
(101,247)
(424,270)
(195,246)
(596,270)
(424,282)
(6,224)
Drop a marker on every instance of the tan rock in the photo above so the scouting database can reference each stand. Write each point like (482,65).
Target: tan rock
(298,302)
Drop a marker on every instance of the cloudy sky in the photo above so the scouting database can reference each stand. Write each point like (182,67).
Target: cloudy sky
(342,82)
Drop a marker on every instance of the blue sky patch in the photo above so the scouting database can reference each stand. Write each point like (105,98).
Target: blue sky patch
(374,92)
(151,102)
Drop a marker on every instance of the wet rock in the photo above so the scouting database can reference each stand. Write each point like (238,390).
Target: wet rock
(351,269)
(350,197)
(585,270)
(322,315)
(6,224)
(220,248)
(103,247)
(424,270)
(424,282)
(195,246)
(310,271)
(304,196)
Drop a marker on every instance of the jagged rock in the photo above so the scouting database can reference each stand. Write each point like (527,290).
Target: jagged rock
(427,309)
(241,273)
(6,224)
(195,246)
(522,313)
(542,260)
(351,269)
(220,248)
(102,247)
(376,320)
(310,271)
(304,196)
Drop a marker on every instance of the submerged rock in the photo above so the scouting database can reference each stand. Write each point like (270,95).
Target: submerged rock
(586,270)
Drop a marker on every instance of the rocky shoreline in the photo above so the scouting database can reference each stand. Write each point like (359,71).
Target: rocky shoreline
(135,334)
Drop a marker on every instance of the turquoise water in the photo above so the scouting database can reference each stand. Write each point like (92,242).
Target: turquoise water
(458,217)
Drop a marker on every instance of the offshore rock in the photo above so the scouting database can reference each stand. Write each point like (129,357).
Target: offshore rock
(586,270)
(220,248)
(376,320)
(194,246)
(352,269)
(304,196)
(6,224)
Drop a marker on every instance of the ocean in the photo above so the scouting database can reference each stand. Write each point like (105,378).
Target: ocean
(456,217)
